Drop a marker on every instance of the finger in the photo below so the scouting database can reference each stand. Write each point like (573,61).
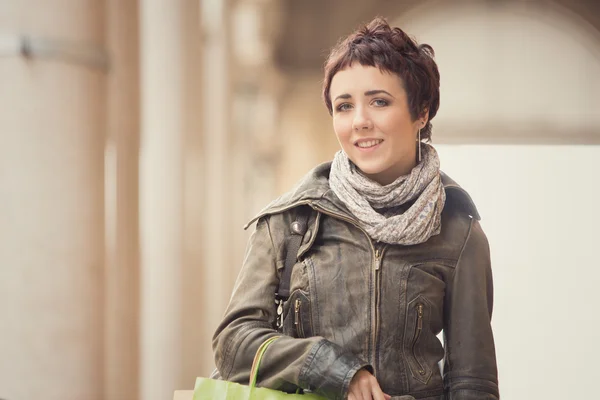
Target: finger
(387,396)
(355,395)
(377,393)
(368,392)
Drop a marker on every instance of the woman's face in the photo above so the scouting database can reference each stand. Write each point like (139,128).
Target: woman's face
(372,122)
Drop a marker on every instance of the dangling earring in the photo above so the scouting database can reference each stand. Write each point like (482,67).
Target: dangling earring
(419,146)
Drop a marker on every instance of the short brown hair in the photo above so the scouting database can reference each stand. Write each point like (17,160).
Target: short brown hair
(379,45)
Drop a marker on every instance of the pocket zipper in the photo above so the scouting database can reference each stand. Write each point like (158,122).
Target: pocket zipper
(417,335)
(297,307)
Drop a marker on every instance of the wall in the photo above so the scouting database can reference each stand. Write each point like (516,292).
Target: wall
(538,210)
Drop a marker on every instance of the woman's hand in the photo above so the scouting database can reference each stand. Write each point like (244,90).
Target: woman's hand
(364,386)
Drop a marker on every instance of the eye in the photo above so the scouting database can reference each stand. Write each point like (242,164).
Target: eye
(343,107)
(380,102)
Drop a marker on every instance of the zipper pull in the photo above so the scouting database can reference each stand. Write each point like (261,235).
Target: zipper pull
(297,305)
(279,313)
(377,260)
(420,316)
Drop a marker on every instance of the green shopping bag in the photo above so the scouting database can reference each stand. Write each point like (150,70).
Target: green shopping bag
(212,389)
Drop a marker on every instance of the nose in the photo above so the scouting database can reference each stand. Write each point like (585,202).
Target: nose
(361,119)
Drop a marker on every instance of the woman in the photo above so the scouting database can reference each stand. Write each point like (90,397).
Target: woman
(392,253)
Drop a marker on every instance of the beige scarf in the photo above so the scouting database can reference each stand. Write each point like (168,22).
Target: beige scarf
(377,207)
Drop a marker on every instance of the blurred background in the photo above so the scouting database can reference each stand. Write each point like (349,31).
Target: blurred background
(137,137)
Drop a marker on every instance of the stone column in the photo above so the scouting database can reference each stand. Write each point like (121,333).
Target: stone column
(122,233)
(51,188)
(194,209)
(161,198)
(216,244)
(257,86)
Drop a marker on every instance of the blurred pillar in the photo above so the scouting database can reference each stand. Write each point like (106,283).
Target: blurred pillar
(217,249)
(161,199)
(122,233)
(257,87)
(240,144)
(51,187)
(193,307)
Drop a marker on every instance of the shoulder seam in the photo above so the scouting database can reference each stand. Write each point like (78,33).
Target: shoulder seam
(462,250)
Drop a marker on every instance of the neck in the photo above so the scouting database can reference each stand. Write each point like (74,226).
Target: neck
(389,175)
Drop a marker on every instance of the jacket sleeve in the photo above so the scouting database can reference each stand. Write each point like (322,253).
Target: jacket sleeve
(313,363)
(470,371)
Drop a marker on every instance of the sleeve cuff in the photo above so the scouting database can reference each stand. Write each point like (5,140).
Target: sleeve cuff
(328,370)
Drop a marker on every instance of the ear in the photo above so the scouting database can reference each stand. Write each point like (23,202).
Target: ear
(425,114)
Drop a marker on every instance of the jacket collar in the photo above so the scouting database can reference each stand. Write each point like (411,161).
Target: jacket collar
(313,190)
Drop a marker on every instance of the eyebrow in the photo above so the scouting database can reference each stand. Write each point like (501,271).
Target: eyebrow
(367,93)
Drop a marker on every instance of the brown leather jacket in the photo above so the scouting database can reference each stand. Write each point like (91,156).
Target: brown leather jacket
(358,303)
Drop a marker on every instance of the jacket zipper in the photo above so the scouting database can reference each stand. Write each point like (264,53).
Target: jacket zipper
(376,267)
(417,335)
(299,328)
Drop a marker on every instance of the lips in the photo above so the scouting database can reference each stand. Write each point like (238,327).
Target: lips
(368,143)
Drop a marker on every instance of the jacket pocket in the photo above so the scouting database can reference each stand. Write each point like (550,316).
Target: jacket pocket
(300,309)
(298,317)
(417,325)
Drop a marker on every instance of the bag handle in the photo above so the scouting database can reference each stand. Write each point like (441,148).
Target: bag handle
(258,358)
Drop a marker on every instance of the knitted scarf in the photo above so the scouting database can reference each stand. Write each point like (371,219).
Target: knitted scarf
(377,207)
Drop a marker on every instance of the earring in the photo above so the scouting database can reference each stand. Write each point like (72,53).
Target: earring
(419,146)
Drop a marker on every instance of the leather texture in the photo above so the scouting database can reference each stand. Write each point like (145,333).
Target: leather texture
(355,303)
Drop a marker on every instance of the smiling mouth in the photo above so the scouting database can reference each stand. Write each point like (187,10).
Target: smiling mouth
(368,143)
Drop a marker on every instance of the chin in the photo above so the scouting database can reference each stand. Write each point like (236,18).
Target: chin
(370,169)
